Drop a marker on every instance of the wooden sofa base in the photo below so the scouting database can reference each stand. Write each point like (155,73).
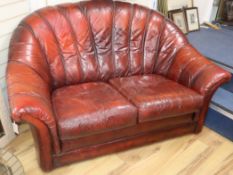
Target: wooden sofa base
(121,144)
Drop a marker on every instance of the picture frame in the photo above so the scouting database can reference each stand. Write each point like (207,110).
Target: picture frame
(192,17)
(178,17)
(229,10)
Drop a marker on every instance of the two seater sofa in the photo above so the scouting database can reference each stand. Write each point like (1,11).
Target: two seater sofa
(101,76)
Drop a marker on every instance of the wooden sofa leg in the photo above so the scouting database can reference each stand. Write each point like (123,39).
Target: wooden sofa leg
(43,142)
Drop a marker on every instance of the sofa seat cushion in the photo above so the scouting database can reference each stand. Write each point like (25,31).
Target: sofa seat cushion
(157,97)
(91,108)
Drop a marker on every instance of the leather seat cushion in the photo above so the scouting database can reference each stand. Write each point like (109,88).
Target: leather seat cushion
(91,108)
(157,97)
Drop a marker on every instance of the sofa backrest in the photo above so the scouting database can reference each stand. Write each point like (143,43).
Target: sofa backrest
(95,41)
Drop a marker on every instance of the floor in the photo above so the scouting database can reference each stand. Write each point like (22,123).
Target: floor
(205,154)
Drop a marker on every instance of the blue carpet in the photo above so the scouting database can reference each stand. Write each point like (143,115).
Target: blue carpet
(223,99)
(214,44)
(219,124)
(227,27)
(217,45)
(229,86)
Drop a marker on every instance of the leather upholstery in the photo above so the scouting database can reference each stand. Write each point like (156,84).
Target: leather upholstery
(59,49)
(30,94)
(91,108)
(97,40)
(157,97)
(196,72)
(111,136)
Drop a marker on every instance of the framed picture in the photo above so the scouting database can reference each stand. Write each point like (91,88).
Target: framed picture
(229,10)
(192,17)
(164,6)
(178,17)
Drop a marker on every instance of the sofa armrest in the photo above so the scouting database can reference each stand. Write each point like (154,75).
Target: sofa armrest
(29,95)
(193,70)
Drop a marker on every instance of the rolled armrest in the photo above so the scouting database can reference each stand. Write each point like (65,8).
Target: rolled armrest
(193,70)
(29,95)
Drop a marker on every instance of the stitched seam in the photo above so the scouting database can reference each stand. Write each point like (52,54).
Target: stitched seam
(56,41)
(39,44)
(127,98)
(144,39)
(113,37)
(62,12)
(183,68)
(158,49)
(213,88)
(20,62)
(130,32)
(45,100)
(174,58)
(56,117)
(123,94)
(80,6)
(193,80)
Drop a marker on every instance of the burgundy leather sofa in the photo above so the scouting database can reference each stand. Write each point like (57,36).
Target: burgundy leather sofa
(98,77)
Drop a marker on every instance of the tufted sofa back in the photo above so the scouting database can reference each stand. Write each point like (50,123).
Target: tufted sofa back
(95,41)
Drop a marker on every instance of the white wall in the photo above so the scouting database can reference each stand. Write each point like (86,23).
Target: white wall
(147,3)
(36,4)
(178,4)
(11,13)
(204,8)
